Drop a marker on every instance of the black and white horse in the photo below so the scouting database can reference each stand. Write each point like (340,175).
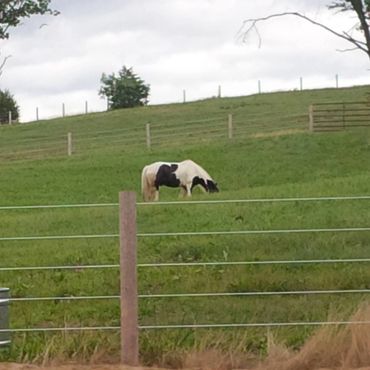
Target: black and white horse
(186,175)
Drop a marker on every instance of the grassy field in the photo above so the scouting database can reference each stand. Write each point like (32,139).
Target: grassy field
(272,155)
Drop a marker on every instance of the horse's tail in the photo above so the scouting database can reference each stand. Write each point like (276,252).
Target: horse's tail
(146,186)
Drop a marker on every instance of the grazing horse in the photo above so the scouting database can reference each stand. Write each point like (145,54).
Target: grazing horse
(186,175)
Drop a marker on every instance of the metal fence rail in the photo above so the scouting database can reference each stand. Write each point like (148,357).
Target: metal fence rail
(191,202)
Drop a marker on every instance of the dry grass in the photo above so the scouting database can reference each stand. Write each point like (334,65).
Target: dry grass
(342,347)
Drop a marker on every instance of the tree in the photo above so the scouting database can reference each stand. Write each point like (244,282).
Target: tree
(360,7)
(126,90)
(8,104)
(13,11)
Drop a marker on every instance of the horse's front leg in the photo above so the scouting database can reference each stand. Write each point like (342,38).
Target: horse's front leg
(188,190)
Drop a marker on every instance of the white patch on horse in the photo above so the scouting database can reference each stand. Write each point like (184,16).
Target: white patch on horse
(186,175)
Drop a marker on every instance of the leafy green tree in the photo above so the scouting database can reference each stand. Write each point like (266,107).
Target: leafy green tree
(13,11)
(360,7)
(126,90)
(8,104)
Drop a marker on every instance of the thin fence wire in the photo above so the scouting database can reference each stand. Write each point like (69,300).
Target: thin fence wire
(186,326)
(194,295)
(188,264)
(192,202)
(187,233)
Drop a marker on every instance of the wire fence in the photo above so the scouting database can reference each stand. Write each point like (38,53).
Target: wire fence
(190,264)
(28,146)
(199,295)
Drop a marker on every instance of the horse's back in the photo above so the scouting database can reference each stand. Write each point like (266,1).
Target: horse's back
(193,169)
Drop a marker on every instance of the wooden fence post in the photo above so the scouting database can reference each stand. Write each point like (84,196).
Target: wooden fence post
(230,126)
(69,144)
(148,140)
(63,110)
(310,118)
(37,113)
(10,117)
(128,278)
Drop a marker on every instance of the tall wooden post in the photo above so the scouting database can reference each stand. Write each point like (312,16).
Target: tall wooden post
(148,139)
(129,299)
(69,144)
(230,125)
(310,118)
(10,117)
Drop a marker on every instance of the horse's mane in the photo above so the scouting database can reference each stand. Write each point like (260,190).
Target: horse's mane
(201,171)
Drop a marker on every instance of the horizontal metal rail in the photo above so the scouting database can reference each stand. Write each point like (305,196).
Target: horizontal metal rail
(254,325)
(70,267)
(224,201)
(188,233)
(59,237)
(194,295)
(254,232)
(187,326)
(189,264)
(259,200)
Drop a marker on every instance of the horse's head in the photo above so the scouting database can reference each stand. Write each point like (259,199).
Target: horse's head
(207,184)
(212,186)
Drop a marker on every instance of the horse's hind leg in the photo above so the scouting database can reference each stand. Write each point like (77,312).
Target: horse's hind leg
(182,191)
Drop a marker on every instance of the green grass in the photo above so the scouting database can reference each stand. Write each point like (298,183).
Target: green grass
(277,163)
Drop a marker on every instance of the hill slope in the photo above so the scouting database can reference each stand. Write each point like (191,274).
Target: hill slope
(270,156)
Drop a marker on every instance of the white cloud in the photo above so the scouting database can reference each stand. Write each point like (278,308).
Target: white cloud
(173,45)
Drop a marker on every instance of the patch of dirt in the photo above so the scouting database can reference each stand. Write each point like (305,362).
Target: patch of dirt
(12,366)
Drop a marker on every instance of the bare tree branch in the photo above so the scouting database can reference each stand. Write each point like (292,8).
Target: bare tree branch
(250,24)
(2,64)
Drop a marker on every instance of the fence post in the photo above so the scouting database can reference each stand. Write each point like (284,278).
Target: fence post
(69,144)
(128,279)
(259,87)
(86,107)
(63,110)
(37,113)
(310,117)
(230,125)
(301,83)
(148,141)
(336,81)
(10,117)
(219,91)
(184,96)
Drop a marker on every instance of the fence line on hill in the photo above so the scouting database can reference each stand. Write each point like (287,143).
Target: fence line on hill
(128,235)
(151,135)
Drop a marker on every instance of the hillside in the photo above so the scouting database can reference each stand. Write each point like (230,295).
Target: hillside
(271,155)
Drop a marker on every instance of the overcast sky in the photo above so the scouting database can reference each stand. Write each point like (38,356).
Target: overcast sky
(174,45)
